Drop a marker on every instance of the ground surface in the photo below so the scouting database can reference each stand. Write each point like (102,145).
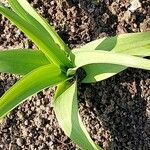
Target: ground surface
(116,111)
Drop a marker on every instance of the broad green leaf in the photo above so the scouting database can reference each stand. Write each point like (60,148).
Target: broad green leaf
(92,57)
(99,72)
(131,43)
(20,61)
(24,9)
(57,56)
(62,87)
(84,58)
(66,110)
(33,82)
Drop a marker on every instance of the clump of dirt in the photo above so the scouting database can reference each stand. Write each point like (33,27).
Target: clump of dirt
(116,111)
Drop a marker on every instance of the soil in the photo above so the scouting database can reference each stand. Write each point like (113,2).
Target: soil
(115,111)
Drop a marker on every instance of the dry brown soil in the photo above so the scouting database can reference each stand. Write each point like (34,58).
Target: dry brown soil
(116,111)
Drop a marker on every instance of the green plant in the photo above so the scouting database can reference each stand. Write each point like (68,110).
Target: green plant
(95,1)
(55,64)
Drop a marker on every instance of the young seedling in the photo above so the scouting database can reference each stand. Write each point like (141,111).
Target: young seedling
(54,64)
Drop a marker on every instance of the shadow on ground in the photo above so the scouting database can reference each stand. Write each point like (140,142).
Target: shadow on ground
(122,104)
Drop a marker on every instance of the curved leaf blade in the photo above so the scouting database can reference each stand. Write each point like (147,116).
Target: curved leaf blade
(21,62)
(24,9)
(57,56)
(131,43)
(99,72)
(84,58)
(66,110)
(33,82)
(92,57)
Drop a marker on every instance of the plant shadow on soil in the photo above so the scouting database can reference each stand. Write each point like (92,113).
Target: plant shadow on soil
(121,103)
(121,106)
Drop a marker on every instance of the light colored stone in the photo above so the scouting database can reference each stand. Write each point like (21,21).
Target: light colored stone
(135,4)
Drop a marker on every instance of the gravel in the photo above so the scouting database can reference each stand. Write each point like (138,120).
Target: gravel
(116,111)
